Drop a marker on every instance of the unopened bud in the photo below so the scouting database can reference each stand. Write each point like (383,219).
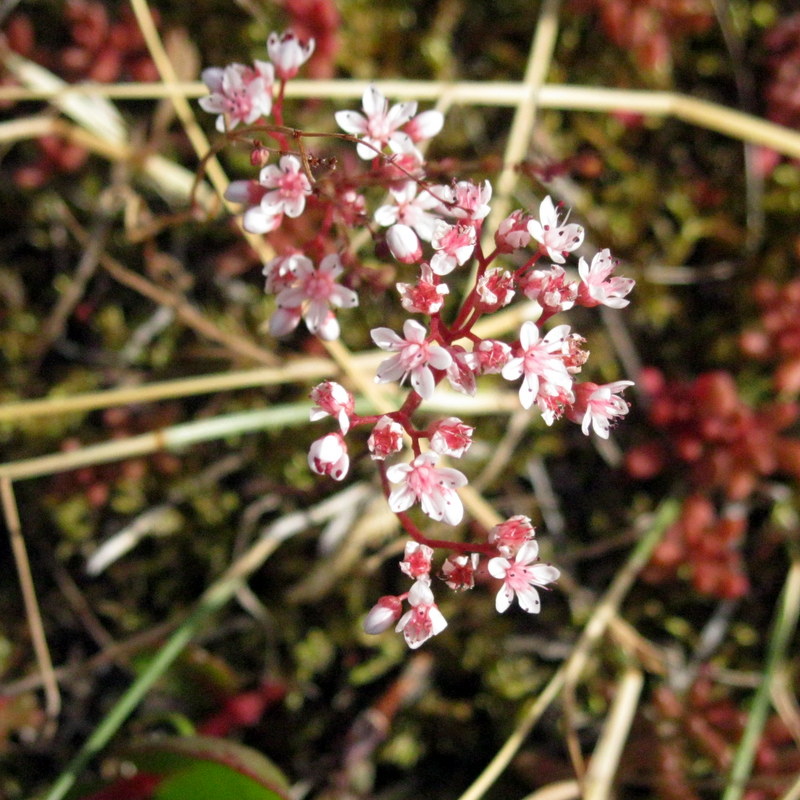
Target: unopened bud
(404,244)
(383,615)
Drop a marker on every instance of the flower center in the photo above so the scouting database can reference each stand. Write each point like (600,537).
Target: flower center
(319,286)
(291,184)
(240,105)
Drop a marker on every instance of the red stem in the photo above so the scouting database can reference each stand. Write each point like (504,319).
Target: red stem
(418,536)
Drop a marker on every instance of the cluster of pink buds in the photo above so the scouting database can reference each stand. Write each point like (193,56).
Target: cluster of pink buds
(437,231)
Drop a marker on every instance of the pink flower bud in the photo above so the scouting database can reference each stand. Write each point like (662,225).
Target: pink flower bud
(510,535)
(512,234)
(416,561)
(328,456)
(404,244)
(386,438)
(458,572)
(332,399)
(247,192)
(451,437)
(383,615)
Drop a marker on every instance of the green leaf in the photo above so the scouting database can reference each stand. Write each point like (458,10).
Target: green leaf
(206,780)
(227,767)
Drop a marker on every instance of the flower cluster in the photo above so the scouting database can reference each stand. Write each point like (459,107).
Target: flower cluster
(438,231)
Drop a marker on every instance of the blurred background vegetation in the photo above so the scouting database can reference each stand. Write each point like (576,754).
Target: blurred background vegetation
(702,223)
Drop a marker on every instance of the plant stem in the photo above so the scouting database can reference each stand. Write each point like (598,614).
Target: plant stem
(782,632)
(174,438)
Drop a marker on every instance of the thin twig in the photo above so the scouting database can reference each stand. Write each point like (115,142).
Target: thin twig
(90,257)
(35,625)
(117,651)
(604,763)
(746,91)
(184,310)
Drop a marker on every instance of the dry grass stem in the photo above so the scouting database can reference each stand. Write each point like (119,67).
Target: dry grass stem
(519,137)
(597,784)
(563,790)
(52,693)
(701,113)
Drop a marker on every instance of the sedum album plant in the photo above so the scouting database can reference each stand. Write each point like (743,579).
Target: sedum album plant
(455,272)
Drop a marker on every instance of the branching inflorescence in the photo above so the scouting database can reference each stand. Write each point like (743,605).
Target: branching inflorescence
(438,228)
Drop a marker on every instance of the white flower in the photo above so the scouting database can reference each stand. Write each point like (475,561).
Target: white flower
(411,209)
(332,399)
(557,238)
(453,244)
(541,364)
(451,437)
(288,53)
(386,438)
(598,287)
(424,619)
(596,406)
(416,561)
(415,357)
(424,297)
(433,487)
(466,200)
(521,577)
(379,126)
(458,571)
(239,94)
(315,291)
(289,188)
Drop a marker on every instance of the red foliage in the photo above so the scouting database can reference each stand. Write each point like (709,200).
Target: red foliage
(782,43)
(99,49)
(647,28)
(709,722)
(708,545)
(778,337)
(243,710)
(729,446)
(139,787)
